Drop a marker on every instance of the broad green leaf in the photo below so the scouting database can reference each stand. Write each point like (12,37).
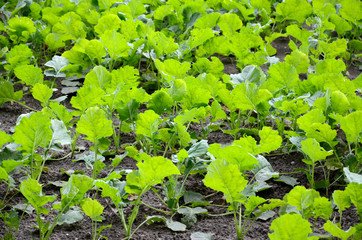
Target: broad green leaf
(61,135)
(314,116)
(336,231)
(189,214)
(113,189)
(172,69)
(177,89)
(107,22)
(70,217)
(322,133)
(29,74)
(160,102)
(137,8)
(217,112)
(342,25)
(147,123)
(73,192)
(175,226)
(269,140)
(32,191)
(7,93)
(351,10)
(20,29)
(151,171)
(322,208)
(42,93)
(334,49)
(57,63)
(252,203)
(203,65)
(87,96)
(18,55)
(95,50)
(341,199)
(302,198)
(92,208)
(339,102)
(294,10)
(207,21)
(126,76)
(4,138)
(290,226)
(315,152)
(129,111)
(95,124)
(59,111)
(351,176)
(330,66)
(162,11)
(33,132)
(282,76)
(299,60)
(302,35)
(354,192)
(98,77)
(352,127)
(249,74)
(229,23)
(226,178)
(234,155)
(3,174)
(262,4)
(115,44)
(161,44)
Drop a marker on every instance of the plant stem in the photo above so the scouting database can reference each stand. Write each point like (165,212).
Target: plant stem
(156,209)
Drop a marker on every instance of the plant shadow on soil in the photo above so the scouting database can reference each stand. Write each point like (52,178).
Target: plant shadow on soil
(222,227)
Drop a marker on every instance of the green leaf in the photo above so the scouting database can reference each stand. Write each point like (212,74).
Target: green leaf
(107,22)
(341,199)
(73,192)
(339,102)
(354,191)
(217,112)
(207,21)
(352,177)
(333,49)
(70,217)
(7,93)
(287,180)
(342,25)
(92,208)
(270,140)
(282,76)
(4,138)
(202,236)
(57,63)
(175,226)
(18,55)
(351,10)
(33,132)
(29,74)
(322,133)
(315,152)
(314,116)
(98,77)
(61,135)
(42,93)
(172,69)
(20,29)
(337,231)
(115,44)
(113,189)
(299,60)
(3,174)
(161,44)
(252,203)
(160,102)
(351,126)
(147,123)
(151,171)
(189,215)
(95,50)
(87,96)
(229,23)
(322,208)
(294,10)
(249,74)
(234,155)
(163,11)
(32,191)
(302,198)
(177,90)
(290,226)
(225,177)
(94,124)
